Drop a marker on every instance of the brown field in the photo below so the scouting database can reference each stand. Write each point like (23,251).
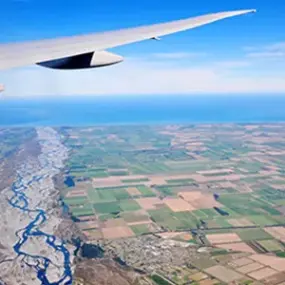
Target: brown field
(133,191)
(199,200)
(242,261)
(244,188)
(185,236)
(215,171)
(198,276)
(117,232)
(274,262)
(223,238)
(137,216)
(208,282)
(87,218)
(156,180)
(277,232)
(224,274)
(169,235)
(241,246)
(250,268)
(229,177)
(281,209)
(93,234)
(227,184)
(140,223)
(278,187)
(76,193)
(205,202)
(114,181)
(190,196)
(88,225)
(262,273)
(114,223)
(240,222)
(149,203)
(178,205)
(275,279)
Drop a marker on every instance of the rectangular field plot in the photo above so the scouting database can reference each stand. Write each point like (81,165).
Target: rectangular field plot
(107,208)
(129,205)
(271,194)
(126,181)
(74,201)
(262,220)
(118,173)
(166,190)
(134,217)
(86,210)
(180,181)
(105,217)
(211,214)
(120,194)
(108,194)
(145,191)
(173,221)
(245,204)
(271,245)
(217,223)
(253,234)
(140,229)
(100,196)
(223,223)
(187,166)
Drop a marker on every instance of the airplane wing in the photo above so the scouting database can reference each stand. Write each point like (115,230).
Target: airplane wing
(80,50)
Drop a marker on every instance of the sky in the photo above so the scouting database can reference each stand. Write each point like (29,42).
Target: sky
(241,55)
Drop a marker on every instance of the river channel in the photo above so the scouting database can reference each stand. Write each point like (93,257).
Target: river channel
(51,160)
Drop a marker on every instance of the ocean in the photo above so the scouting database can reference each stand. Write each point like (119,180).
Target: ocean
(162,109)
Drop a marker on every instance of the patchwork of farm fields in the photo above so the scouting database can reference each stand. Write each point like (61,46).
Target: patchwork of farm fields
(146,179)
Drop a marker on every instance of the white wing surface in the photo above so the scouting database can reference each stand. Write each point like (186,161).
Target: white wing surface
(26,53)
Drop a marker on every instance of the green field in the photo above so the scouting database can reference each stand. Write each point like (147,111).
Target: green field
(129,205)
(271,194)
(98,152)
(200,214)
(166,190)
(145,191)
(262,220)
(107,208)
(159,280)
(245,204)
(271,245)
(173,221)
(75,201)
(140,229)
(120,194)
(86,210)
(253,234)
(105,217)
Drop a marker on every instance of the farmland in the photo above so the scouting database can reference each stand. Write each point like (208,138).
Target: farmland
(222,184)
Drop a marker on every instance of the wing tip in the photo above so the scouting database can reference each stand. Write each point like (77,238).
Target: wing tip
(250,11)
(235,13)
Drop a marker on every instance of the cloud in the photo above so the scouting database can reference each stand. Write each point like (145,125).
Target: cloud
(273,51)
(233,64)
(141,77)
(178,55)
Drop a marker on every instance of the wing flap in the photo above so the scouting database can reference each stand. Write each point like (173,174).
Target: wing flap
(19,54)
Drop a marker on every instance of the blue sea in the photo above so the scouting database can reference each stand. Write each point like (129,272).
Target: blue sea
(99,110)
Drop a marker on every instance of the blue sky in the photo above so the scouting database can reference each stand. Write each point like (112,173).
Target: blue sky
(239,55)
